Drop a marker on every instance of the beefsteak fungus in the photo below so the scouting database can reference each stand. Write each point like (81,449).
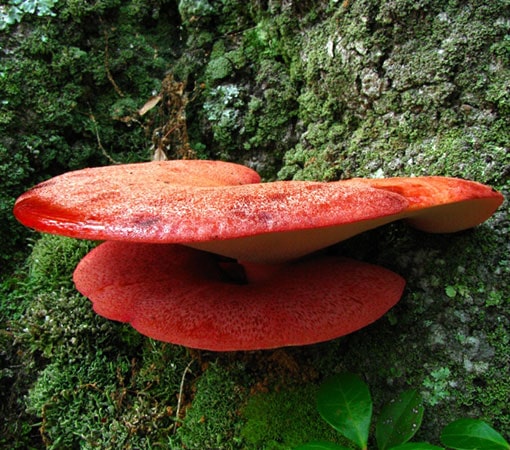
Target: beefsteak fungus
(181,295)
(189,296)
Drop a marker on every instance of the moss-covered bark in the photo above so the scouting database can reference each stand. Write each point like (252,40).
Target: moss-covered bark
(298,90)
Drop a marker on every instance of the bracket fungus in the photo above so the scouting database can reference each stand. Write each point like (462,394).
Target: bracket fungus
(178,294)
(441,204)
(166,223)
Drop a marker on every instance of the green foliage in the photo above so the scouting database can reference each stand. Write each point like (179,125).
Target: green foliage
(319,445)
(344,402)
(472,434)
(407,410)
(417,446)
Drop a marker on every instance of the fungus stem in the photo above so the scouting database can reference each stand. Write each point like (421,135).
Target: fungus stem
(256,273)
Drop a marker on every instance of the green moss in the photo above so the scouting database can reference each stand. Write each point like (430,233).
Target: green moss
(193,12)
(284,419)
(223,113)
(53,260)
(403,91)
(437,386)
(57,321)
(271,113)
(241,123)
(212,420)
(109,400)
(219,69)
(308,164)
(75,401)
(488,394)
(15,169)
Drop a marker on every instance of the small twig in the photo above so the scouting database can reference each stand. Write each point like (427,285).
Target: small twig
(98,138)
(171,130)
(107,66)
(179,398)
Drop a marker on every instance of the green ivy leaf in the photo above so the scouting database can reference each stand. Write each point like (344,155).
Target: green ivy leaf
(467,434)
(399,420)
(344,402)
(417,446)
(318,445)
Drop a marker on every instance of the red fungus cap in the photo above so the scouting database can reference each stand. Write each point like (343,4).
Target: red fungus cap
(177,294)
(261,222)
(441,204)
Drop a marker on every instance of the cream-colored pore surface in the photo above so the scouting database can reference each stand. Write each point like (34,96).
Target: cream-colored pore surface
(273,248)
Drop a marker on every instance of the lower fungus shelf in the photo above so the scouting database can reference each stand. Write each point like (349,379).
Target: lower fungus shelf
(178,294)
